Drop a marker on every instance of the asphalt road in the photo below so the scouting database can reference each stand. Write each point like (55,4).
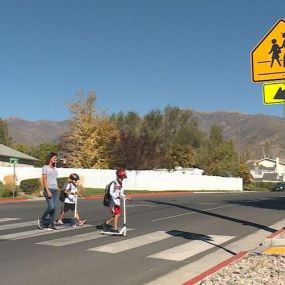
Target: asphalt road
(166,233)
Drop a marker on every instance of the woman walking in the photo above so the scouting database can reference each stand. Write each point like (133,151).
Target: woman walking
(49,176)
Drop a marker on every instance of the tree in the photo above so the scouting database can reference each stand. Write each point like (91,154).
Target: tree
(4,135)
(148,142)
(91,136)
(41,152)
(180,155)
(217,156)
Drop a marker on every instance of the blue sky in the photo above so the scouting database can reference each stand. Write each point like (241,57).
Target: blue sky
(137,55)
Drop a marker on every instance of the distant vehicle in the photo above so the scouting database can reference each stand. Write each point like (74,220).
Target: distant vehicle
(280,186)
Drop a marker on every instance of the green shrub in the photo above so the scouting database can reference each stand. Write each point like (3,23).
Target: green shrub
(61,181)
(31,186)
(35,185)
(258,186)
(1,189)
(7,192)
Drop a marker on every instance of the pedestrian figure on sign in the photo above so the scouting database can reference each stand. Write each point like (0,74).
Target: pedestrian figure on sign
(275,50)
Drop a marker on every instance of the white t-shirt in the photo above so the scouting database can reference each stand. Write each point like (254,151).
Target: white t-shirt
(116,192)
(51,174)
(70,198)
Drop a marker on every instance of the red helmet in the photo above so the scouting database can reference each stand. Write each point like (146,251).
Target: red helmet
(121,173)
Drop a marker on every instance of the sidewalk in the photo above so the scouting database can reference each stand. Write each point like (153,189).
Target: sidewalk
(100,196)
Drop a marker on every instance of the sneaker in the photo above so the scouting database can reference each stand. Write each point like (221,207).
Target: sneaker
(40,226)
(82,222)
(114,231)
(52,228)
(75,225)
(106,227)
(59,222)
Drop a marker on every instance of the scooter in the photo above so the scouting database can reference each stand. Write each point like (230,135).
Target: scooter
(123,231)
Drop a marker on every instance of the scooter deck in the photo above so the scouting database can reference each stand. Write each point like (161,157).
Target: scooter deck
(122,232)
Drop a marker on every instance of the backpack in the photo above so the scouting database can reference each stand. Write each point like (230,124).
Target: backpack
(107,196)
(62,194)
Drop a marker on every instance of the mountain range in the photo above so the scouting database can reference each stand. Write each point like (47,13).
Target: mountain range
(258,135)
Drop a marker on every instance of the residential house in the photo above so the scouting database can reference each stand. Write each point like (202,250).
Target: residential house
(267,170)
(8,155)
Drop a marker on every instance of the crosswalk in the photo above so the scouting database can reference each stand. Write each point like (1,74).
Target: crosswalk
(190,247)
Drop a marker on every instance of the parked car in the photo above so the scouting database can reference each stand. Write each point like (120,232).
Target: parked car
(280,186)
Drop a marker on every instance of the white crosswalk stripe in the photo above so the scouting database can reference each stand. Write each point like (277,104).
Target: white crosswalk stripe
(34,233)
(132,242)
(191,248)
(8,219)
(17,225)
(74,239)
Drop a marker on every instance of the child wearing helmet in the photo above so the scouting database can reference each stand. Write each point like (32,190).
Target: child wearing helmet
(70,200)
(116,193)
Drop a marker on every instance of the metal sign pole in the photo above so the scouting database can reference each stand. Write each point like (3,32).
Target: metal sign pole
(14,179)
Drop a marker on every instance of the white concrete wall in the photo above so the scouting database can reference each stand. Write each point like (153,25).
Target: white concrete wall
(137,180)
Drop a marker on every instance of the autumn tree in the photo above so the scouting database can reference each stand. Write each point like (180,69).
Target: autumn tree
(180,155)
(91,135)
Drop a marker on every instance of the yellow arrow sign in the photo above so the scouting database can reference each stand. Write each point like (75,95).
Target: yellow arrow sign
(268,57)
(274,93)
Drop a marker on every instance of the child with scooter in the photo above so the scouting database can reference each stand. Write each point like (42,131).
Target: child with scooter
(70,201)
(116,193)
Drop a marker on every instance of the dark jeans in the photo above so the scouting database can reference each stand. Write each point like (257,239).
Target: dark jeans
(51,206)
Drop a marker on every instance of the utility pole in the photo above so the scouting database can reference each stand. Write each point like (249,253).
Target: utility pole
(237,146)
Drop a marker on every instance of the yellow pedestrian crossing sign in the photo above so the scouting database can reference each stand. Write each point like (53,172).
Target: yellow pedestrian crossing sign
(268,57)
(274,93)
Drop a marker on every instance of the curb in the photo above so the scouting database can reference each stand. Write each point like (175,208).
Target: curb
(13,200)
(99,196)
(215,268)
(274,241)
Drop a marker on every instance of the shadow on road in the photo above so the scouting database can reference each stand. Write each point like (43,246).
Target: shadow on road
(201,237)
(242,222)
(274,203)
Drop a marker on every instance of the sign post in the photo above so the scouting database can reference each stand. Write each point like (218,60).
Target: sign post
(14,161)
(268,64)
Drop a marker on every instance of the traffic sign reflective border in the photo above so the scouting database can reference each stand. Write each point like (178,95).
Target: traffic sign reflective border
(268,57)
(274,93)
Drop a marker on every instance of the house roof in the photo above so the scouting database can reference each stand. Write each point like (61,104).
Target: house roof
(10,152)
(269,159)
(261,167)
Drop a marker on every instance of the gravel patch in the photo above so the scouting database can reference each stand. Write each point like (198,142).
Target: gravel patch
(252,269)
